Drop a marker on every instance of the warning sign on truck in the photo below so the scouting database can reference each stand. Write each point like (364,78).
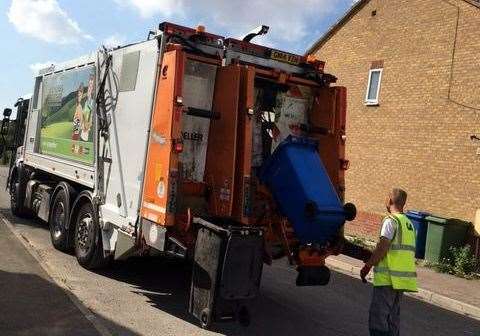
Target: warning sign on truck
(67,115)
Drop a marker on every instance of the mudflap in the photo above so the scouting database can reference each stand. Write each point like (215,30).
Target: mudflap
(227,270)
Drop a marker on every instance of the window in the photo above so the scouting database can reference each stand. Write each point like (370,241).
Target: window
(373,87)
(37,91)
(129,72)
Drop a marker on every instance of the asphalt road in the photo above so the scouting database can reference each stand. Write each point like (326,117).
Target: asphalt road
(149,297)
(31,303)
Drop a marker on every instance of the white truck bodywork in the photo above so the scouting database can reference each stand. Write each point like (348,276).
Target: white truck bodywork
(129,91)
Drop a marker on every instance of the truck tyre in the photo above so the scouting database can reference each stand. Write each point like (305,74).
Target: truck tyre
(17,197)
(88,239)
(59,214)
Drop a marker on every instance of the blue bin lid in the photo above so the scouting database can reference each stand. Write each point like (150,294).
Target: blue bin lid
(417,214)
(291,140)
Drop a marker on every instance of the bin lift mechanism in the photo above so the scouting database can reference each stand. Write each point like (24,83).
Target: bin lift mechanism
(245,163)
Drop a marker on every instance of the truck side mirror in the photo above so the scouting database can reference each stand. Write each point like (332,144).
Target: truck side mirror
(7,112)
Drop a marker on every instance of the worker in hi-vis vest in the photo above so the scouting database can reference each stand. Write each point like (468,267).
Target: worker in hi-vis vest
(394,271)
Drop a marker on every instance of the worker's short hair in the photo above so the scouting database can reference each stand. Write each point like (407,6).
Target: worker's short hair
(398,197)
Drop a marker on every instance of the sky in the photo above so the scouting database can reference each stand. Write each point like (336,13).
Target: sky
(36,33)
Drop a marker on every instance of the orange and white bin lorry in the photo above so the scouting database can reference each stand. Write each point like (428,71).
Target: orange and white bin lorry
(177,145)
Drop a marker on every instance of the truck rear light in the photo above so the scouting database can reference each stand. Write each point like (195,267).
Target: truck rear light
(178,146)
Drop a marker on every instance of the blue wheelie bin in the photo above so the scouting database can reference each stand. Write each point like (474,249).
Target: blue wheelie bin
(302,189)
(418,219)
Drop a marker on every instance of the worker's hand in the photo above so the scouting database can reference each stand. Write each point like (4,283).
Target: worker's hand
(364,272)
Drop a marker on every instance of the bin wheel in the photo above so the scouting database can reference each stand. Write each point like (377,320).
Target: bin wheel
(244,317)
(205,318)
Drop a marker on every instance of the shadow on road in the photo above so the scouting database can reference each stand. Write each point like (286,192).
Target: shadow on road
(32,305)
(166,283)
(32,222)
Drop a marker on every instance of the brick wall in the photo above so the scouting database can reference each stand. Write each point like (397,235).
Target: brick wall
(365,225)
(418,137)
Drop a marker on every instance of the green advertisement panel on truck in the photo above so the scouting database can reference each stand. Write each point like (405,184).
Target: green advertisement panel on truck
(66,115)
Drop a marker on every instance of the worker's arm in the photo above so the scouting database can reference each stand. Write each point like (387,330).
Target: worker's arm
(387,234)
(379,253)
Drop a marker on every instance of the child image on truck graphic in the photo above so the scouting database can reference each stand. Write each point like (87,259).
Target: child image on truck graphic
(87,110)
(78,116)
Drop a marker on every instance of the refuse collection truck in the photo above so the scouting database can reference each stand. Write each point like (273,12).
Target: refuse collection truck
(217,150)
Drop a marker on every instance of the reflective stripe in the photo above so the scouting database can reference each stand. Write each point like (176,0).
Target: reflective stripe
(398,239)
(399,247)
(395,273)
(398,232)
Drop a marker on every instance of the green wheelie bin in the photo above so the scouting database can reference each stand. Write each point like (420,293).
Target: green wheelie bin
(442,234)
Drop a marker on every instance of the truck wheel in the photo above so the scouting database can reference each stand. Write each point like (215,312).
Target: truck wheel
(59,215)
(88,239)
(17,197)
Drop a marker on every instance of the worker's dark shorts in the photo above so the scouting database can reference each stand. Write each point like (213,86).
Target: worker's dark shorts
(385,311)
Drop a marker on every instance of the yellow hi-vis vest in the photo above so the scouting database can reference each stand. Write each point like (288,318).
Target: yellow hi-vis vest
(397,269)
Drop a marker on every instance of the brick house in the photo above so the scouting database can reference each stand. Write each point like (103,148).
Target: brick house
(412,70)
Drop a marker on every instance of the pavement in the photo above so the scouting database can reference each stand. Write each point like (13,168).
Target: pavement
(443,290)
(148,296)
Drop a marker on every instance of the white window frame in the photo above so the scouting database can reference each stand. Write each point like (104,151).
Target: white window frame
(375,100)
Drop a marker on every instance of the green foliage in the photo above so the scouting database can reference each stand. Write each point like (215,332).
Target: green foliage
(362,242)
(460,262)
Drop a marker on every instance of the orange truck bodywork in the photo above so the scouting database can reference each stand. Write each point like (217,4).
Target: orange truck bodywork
(228,181)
